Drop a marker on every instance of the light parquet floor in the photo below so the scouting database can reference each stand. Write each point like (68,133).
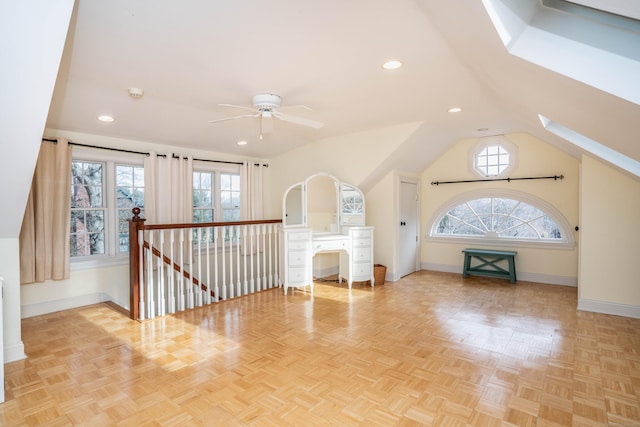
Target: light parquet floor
(430,349)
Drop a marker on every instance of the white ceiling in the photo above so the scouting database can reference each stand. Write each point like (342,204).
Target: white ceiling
(192,55)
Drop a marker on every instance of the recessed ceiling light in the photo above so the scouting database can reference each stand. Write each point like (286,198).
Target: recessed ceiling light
(106,119)
(242,142)
(454,110)
(392,65)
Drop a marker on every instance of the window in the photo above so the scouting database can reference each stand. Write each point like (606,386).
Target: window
(207,196)
(129,195)
(230,196)
(105,187)
(203,196)
(88,210)
(508,218)
(493,156)
(492,160)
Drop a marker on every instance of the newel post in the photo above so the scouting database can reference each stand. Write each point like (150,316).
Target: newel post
(135,224)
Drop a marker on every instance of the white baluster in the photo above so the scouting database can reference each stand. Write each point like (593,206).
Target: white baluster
(264,256)
(231,287)
(161,300)
(224,266)
(171,297)
(244,258)
(252,237)
(207,295)
(198,289)
(141,282)
(236,233)
(270,233)
(258,277)
(181,299)
(190,281)
(150,282)
(276,254)
(216,287)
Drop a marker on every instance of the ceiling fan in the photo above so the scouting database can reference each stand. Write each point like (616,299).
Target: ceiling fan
(266,106)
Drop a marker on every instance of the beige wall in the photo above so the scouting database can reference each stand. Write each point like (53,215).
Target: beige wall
(350,158)
(610,235)
(534,158)
(382,215)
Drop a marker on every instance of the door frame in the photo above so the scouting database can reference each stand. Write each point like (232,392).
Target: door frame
(412,179)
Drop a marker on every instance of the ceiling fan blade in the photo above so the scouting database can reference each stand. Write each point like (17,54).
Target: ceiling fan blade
(288,107)
(234,117)
(237,106)
(299,120)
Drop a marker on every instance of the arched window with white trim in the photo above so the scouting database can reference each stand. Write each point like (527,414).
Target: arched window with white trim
(501,217)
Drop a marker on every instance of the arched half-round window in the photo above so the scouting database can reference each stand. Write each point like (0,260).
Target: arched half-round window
(509,217)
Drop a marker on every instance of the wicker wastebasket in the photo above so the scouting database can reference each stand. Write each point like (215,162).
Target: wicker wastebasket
(379,273)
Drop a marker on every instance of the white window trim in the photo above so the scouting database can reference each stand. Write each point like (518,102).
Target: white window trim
(111,257)
(567,242)
(502,140)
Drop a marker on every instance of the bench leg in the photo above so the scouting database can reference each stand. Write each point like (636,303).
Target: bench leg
(467,266)
(512,270)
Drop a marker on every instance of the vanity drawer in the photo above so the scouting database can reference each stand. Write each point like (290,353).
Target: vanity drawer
(360,233)
(298,276)
(296,258)
(362,243)
(302,235)
(298,245)
(361,254)
(361,271)
(330,245)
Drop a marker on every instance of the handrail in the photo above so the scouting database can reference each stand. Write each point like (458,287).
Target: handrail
(136,268)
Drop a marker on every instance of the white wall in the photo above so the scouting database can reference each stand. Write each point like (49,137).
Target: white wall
(609,244)
(382,214)
(534,158)
(32,37)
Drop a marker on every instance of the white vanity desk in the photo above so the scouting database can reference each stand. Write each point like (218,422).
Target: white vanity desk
(303,234)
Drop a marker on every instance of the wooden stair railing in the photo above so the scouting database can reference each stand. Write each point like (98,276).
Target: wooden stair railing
(138,246)
(176,267)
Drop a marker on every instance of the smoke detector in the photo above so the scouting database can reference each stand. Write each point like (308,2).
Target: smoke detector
(136,93)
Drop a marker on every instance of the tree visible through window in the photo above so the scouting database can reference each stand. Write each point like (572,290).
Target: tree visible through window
(129,195)
(496,217)
(87,209)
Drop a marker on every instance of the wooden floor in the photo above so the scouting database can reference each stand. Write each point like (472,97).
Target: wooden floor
(430,349)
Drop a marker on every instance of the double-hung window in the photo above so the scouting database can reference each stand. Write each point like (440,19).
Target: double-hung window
(216,195)
(104,190)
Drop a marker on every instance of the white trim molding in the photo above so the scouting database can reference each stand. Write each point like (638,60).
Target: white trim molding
(15,352)
(606,307)
(47,307)
(547,279)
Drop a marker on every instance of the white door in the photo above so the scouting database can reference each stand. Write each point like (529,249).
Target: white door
(408,227)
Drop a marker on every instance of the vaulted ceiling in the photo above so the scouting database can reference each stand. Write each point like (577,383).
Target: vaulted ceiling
(190,56)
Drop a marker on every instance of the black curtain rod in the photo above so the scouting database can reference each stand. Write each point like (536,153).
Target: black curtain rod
(55,141)
(555,178)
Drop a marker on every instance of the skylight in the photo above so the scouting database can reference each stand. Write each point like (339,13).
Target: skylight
(593,147)
(594,47)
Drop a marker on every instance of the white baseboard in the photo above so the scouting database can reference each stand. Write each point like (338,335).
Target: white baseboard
(47,307)
(14,352)
(524,276)
(325,272)
(609,308)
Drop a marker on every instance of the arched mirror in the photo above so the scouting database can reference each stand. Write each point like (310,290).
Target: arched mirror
(322,203)
(351,205)
(293,206)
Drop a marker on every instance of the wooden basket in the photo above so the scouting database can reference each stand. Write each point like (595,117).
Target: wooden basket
(379,273)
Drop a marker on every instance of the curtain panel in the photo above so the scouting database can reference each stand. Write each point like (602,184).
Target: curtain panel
(251,204)
(168,194)
(44,236)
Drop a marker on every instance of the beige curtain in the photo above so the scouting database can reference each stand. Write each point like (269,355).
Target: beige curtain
(168,193)
(251,205)
(44,236)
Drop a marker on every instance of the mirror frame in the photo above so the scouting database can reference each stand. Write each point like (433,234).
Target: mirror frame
(340,188)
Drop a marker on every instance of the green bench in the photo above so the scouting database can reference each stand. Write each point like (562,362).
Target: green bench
(488,263)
